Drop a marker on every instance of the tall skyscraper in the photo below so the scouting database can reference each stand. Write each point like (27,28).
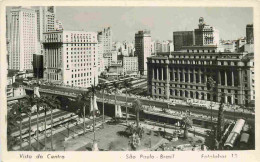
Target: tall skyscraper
(250,34)
(100,59)
(206,35)
(70,58)
(143,49)
(105,38)
(46,22)
(23,38)
(182,38)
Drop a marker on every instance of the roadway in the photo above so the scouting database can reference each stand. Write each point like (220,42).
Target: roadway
(177,107)
(26,124)
(59,137)
(160,104)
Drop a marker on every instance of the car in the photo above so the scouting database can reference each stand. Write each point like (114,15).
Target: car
(172,103)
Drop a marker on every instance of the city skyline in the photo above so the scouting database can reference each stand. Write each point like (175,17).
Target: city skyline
(126,21)
(70,88)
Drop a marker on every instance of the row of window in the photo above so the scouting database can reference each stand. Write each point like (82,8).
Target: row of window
(80,75)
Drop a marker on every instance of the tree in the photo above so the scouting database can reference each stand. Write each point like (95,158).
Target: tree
(43,101)
(137,106)
(39,103)
(30,102)
(83,97)
(211,86)
(127,85)
(220,118)
(116,87)
(17,114)
(51,102)
(12,123)
(92,91)
(103,87)
(187,122)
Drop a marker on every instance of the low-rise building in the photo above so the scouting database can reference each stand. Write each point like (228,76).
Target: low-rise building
(130,64)
(109,58)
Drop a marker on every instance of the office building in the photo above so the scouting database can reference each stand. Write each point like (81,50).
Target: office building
(206,34)
(152,47)
(70,58)
(183,38)
(130,64)
(250,34)
(142,49)
(100,62)
(182,75)
(38,66)
(109,58)
(23,38)
(105,37)
(46,21)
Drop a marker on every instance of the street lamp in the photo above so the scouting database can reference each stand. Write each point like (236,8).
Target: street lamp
(211,117)
(189,102)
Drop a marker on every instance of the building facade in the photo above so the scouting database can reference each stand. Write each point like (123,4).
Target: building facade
(130,64)
(206,34)
(184,75)
(250,34)
(23,38)
(142,49)
(70,58)
(183,38)
(240,44)
(100,63)
(105,37)
(227,46)
(108,58)
(58,25)
(38,66)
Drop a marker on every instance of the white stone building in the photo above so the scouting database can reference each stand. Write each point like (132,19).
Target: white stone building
(71,58)
(23,38)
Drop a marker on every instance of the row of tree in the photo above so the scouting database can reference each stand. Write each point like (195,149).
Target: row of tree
(25,106)
(50,102)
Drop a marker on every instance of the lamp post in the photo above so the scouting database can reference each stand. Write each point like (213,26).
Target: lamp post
(211,117)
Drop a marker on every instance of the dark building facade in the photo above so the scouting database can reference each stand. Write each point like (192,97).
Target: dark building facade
(38,66)
(250,34)
(182,75)
(182,38)
(206,34)
(143,49)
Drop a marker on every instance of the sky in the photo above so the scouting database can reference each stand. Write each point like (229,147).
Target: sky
(161,21)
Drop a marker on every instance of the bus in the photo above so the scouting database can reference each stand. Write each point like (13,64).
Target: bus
(233,136)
